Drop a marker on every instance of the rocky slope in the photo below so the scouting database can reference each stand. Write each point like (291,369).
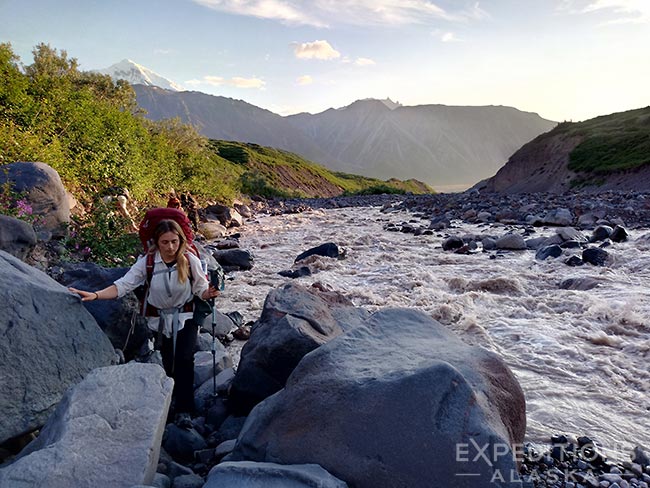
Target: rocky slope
(610,152)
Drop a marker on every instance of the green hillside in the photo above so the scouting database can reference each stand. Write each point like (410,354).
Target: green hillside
(92,132)
(610,143)
(274,172)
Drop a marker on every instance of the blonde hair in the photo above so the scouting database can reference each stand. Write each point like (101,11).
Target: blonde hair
(182,264)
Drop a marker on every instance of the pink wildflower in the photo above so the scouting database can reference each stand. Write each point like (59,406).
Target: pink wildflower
(24,208)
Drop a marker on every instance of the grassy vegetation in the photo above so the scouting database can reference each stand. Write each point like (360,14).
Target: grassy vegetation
(91,131)
(610,143)
(273,172)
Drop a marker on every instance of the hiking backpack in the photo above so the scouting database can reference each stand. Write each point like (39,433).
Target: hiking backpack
(153,217)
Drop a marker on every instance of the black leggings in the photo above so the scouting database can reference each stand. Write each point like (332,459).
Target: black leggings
(181,368)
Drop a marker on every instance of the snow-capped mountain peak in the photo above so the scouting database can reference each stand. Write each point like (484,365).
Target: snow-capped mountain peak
(137,74)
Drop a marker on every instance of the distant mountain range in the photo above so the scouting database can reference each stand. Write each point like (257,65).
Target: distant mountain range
(444,146)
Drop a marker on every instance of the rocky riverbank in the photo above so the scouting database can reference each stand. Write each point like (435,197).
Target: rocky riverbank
(583,210)
(359,368)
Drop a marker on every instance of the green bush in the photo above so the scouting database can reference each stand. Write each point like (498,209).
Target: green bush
(103,237)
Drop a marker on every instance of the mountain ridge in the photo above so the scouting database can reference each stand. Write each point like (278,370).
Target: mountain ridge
(449,146)
(437,144)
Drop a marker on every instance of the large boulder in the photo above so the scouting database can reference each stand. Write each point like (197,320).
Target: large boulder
(234,259)
(17,237)
(558,216)
(270,475)
(400,401)
(43,190)
(49,342)
(228,217)
(329,250)
(295,320)
(105,432)
(114,317)
(513,242)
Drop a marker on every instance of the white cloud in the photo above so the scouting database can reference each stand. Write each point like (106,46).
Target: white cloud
(315,50)
(304,80)
(236,81)
(239,82)
(475,12)
(449,37)
(325,13)
(281,10)
(364,62)
(621,11)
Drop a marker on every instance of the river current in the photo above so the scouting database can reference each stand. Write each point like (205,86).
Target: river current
(581,357)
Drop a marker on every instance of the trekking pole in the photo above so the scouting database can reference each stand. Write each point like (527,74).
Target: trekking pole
(214,349)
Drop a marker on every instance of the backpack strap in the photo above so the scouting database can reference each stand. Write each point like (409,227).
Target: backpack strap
(147,283)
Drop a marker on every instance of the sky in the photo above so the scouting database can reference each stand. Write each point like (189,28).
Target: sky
(563,59)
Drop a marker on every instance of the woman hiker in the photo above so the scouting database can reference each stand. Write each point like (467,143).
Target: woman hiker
(176,279)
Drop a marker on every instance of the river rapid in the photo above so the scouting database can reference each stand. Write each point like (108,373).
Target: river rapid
(581,357)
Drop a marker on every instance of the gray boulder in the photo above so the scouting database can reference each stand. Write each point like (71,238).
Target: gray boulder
(400,401)
(181,443)
(188,481)
(559,216)
(295,320)
(270,475)
(601,233)
(329,250)
(580,283)
(17,237)
(223,324)
(228,217)
(570,234)
(513,242)
(105,432)
(244,210)
(113,316)
(489,244)
(452,243)
(595,256)
(212,230)
(553,251)
(204,367)
(49,342)
(204,394)
(44,191)
(619,234)
(234,259)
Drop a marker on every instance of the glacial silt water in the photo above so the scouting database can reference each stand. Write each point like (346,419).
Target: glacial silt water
(582,357)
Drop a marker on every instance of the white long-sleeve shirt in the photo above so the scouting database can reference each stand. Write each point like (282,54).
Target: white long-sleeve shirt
(165,291)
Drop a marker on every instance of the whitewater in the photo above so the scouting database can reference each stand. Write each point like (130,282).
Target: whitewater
(581,357)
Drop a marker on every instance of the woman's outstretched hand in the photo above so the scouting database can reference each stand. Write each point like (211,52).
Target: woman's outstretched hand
(86,296)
